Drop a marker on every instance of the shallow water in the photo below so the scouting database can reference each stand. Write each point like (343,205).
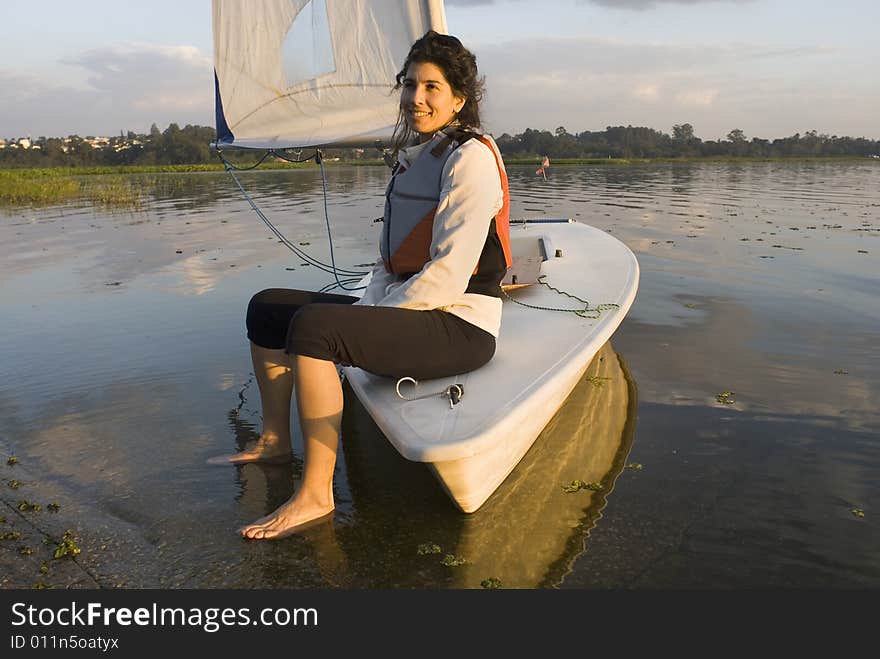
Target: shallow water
(124,366)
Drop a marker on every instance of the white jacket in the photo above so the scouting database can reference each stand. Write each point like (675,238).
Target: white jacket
(470,196)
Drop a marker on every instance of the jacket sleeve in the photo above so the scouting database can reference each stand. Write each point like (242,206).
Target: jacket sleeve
(470,196)
(376,289)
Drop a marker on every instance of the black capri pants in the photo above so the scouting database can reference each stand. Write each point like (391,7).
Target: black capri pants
(382,340)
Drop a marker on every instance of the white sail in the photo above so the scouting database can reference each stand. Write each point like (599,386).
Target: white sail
(299,73)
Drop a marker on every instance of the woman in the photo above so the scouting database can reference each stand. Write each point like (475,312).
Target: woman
(432,308)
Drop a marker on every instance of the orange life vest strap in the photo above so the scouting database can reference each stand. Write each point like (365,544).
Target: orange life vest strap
(502,219)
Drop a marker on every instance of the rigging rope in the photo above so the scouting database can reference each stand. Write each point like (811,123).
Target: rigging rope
(320,160)
(354,276)
(349,276)
(586,312)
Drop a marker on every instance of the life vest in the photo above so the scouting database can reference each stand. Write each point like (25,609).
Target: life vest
(411,200)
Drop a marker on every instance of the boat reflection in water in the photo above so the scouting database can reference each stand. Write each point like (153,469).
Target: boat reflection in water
(394,526)
(530,530)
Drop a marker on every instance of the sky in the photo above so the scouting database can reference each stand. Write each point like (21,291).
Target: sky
(771,68)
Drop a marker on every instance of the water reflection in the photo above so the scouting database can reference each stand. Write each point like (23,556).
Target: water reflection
(528,533)
(122,351)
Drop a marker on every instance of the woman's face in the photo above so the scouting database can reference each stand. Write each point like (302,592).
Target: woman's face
(427,100)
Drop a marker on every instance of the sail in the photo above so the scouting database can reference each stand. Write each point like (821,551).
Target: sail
(300,73)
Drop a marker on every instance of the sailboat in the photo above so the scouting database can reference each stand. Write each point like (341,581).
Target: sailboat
(312,73)
(532,529)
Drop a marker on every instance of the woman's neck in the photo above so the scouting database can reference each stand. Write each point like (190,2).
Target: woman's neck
(426,137)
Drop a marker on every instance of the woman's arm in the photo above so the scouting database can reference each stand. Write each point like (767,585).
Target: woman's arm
(379,281)
(470,197)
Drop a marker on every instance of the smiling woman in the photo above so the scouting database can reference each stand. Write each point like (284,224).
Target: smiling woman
(428,102)
(433,304)
(440,87)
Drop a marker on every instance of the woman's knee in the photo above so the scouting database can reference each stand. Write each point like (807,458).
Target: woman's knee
(267,318)
(266,296)
(309,331)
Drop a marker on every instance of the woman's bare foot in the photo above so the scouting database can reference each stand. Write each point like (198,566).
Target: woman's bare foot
(266,451)
(297,514)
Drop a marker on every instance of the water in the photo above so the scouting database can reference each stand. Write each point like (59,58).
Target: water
(124,367)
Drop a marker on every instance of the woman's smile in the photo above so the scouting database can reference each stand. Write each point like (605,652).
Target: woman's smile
(428,100)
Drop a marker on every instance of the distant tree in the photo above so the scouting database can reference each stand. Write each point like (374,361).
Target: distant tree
(759,147)
(682,132)
(739,145)
(191,145)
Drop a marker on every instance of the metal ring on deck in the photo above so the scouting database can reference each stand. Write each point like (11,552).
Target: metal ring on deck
(413,380)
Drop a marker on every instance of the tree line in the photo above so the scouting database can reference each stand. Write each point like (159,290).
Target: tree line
(191,145)
(641,142)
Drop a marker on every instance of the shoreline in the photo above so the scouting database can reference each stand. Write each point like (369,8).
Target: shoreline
(527,159)
(110,185)
(53,537)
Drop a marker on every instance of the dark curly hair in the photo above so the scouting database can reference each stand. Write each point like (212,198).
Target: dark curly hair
(460,68)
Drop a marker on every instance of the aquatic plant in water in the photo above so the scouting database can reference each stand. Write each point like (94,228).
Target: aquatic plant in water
(451,560)
(428,548)
(577,485)
(67,546)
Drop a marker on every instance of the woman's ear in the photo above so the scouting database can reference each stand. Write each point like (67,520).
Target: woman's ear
(459,104)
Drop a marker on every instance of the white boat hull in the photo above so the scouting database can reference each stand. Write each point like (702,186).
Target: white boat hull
(541,355)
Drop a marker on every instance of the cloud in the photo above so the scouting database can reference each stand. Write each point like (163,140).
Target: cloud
(148,76)
(640,5)
(697,97)
(636,5)
(587,84)
(128,88)
(647,91)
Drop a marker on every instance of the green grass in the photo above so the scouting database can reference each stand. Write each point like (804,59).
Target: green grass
(49,187)
(21,190)
(99,186)
(108,186)
(112,190)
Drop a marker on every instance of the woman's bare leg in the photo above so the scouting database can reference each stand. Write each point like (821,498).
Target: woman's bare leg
(275,382)
(319,402)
